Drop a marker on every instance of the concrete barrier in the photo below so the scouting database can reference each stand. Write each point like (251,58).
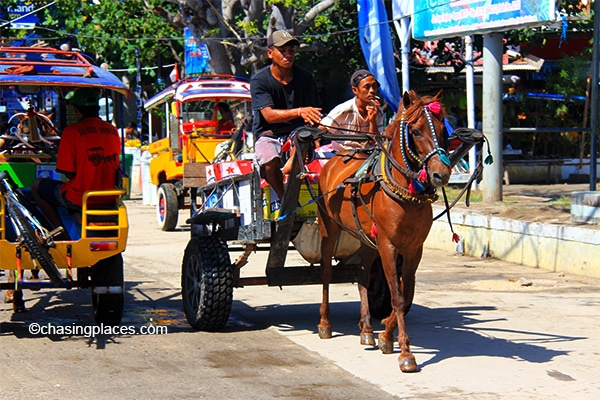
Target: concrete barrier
(571,249)
(585,207)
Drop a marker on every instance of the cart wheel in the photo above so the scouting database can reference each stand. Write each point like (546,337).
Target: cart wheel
(206,283)
(167,210)
(380,298)
(108,290)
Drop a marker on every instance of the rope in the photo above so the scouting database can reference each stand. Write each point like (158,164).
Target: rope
(368,133)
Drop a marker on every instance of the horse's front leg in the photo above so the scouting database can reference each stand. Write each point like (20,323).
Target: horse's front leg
(386,342)
(367,338)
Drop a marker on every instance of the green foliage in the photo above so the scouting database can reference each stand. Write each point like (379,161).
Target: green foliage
(114,31)
(339,54)
(111,31)
(571,77)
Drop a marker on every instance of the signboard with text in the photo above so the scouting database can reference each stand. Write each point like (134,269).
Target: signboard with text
(22,14)
(196,55)
(434,19)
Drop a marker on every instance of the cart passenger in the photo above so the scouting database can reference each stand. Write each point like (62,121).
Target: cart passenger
(284,97)
(88,155)
(225,117)
(361,114)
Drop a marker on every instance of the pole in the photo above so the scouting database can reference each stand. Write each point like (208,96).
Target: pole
(138,91)
(492,115)
(403,31)
(594,102)
(470,84)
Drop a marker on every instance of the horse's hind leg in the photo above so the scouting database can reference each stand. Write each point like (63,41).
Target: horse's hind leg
(329,234)
(368,256)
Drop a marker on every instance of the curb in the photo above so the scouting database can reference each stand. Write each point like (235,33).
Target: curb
(556,248)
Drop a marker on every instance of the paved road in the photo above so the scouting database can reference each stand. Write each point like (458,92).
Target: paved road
(480,329)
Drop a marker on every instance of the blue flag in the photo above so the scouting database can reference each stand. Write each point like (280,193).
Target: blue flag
(376,43)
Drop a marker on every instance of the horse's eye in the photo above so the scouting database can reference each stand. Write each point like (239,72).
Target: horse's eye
(416,132)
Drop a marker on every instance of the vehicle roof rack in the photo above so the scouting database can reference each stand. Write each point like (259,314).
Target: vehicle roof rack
(43,66)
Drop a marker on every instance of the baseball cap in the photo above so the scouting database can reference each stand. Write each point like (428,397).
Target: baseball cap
(359,76)
(281,38)
(85,96)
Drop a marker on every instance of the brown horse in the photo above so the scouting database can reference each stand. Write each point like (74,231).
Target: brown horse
(392,204)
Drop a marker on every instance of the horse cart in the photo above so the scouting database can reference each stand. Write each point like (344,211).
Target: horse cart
(33,83)
(373,217)
(235,210)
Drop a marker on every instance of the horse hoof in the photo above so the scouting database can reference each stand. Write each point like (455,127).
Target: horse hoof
(367,339)
(325,333)
(408,364)
(386,347)
(9,296)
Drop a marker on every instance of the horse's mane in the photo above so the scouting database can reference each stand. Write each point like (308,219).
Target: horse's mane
(413,111)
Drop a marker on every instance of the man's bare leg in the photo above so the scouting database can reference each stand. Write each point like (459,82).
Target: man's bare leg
(274,176)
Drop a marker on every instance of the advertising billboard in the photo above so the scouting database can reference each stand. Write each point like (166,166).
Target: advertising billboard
(435,19)
(22,14)
(196,55)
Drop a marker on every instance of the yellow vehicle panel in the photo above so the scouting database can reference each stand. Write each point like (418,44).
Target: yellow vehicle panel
(86,251)
(196,147)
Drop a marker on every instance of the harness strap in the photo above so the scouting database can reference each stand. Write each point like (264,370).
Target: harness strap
(362,236)
(397,191)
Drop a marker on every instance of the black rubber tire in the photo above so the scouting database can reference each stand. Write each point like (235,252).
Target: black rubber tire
(108,307)
(36,247)
(207,283)
(167,207)
(380,298)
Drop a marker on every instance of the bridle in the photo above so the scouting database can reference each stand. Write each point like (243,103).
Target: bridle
(418,190)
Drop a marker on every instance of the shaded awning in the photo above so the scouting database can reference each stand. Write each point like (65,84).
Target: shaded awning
(527,63)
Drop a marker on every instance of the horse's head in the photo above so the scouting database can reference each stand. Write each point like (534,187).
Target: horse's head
(419,140)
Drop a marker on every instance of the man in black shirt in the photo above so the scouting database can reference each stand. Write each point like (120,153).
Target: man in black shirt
(284,97)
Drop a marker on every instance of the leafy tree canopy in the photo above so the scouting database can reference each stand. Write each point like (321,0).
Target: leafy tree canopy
(235,32)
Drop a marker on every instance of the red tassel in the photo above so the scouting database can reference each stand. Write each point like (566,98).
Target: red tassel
(411,187)
(435,107)
(423,174)
(455,237)
(286,146)
(373,230)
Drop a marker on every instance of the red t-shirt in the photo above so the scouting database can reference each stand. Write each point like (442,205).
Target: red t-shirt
(90,149)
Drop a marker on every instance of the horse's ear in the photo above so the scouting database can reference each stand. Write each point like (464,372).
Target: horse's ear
(406,100)
(438,96)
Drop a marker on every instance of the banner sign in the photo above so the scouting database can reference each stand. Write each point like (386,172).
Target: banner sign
(435,19)
(23,14)
(196,56)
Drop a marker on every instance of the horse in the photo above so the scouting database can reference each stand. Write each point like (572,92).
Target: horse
(393,204)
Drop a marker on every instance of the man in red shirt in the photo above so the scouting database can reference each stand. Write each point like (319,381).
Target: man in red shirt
(88,155)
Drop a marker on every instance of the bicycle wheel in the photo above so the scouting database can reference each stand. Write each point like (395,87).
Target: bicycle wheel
(36,248)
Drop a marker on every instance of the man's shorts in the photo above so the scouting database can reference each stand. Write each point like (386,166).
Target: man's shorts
(267,148)
(49,190)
